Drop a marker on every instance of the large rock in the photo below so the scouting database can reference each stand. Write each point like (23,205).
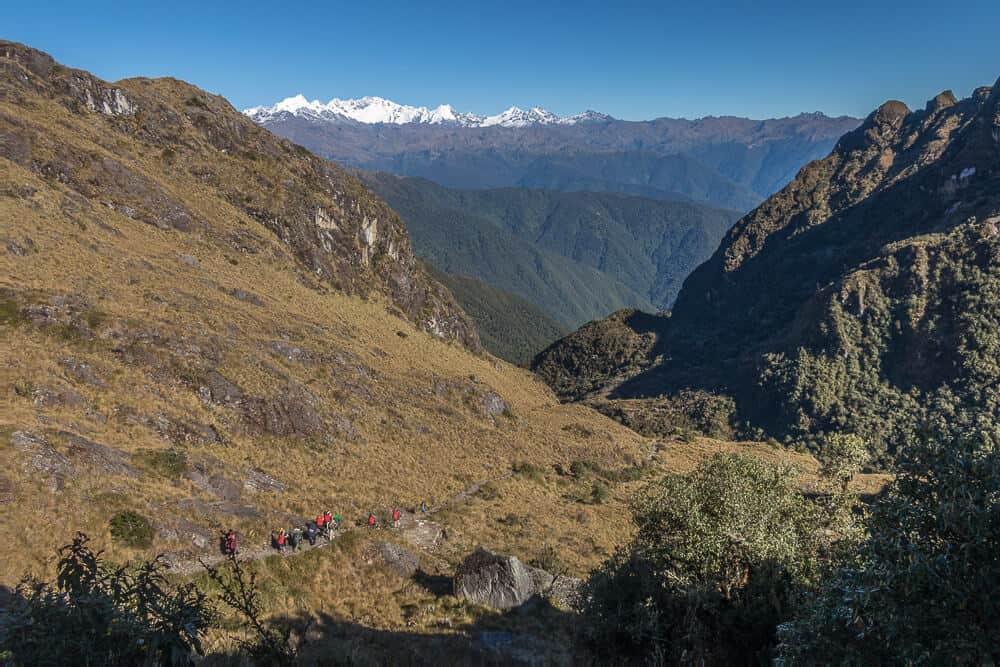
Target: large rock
(493,580)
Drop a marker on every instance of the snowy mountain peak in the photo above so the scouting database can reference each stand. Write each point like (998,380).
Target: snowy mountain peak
(371,110)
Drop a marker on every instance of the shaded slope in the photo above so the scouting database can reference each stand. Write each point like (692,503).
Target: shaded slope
(455,237)
(510,327)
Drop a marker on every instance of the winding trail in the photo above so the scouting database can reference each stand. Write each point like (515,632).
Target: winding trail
(427,535)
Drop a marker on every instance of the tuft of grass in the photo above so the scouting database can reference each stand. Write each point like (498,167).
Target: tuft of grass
(24,387)
(599,494)
(132,529)
(488,491)
(10,312)
(170,463)
(528,470)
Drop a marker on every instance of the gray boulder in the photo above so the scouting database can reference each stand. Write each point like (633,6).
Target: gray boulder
(492,580)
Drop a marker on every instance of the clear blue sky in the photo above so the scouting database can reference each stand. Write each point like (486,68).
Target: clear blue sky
(633,60)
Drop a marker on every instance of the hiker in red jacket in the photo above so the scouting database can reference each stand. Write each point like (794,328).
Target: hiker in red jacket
(396,515)
(280,539)
(328,521)
(322,526)
(229,544)
(371,520)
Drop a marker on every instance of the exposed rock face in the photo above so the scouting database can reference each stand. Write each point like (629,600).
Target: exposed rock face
(857,298)
(492,580)
(40,461)
(397,559)
(337,230)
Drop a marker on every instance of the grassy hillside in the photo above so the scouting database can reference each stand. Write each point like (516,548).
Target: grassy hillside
(510,327)
(648,246)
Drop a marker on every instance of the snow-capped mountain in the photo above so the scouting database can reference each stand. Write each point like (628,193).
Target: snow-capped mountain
(372,110)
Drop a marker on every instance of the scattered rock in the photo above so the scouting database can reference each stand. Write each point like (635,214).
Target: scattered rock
(98,456)
(492,580)
(290,412)
(81,371)
(243,295)
(258,481)
(190,260)
(493,405)
(214,483)
(39,460)
(216,389)
(397,559)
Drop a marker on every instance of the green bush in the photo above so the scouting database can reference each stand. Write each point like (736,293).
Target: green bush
(717,559)
(100,614)
(922,587)
(132,529)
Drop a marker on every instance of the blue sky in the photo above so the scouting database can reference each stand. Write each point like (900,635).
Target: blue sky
(633,60)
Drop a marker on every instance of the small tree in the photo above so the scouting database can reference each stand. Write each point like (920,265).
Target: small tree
(717,558)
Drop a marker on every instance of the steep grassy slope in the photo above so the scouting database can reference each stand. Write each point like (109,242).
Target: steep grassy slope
(510,327)
(172,344)
(862,297)
(650,246)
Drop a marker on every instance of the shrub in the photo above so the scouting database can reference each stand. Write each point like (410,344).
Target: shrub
(528,470)
(488,491)
(718,556)
(600,493)
(132,529)
(922,586)
(99,614)
(10,311)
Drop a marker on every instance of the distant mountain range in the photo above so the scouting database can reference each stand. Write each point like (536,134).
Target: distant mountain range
(373,110)
(722,161)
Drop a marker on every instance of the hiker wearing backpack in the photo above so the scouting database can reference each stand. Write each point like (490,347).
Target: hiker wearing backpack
(328,520)
(311,533)
(280,539)
(295,539)
(371,520)
(423,507)
(229,547)
(396,516)
(337,519)
(321,525)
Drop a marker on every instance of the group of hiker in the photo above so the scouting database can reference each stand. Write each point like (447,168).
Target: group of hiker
(325,525)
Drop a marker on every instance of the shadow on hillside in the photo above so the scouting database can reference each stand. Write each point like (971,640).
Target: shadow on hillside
(525,635)
(435,584)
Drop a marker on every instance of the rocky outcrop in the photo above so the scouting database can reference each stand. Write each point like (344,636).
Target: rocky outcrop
(40,461)
(492,580)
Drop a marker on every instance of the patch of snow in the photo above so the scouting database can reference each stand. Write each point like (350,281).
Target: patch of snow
(374,110)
